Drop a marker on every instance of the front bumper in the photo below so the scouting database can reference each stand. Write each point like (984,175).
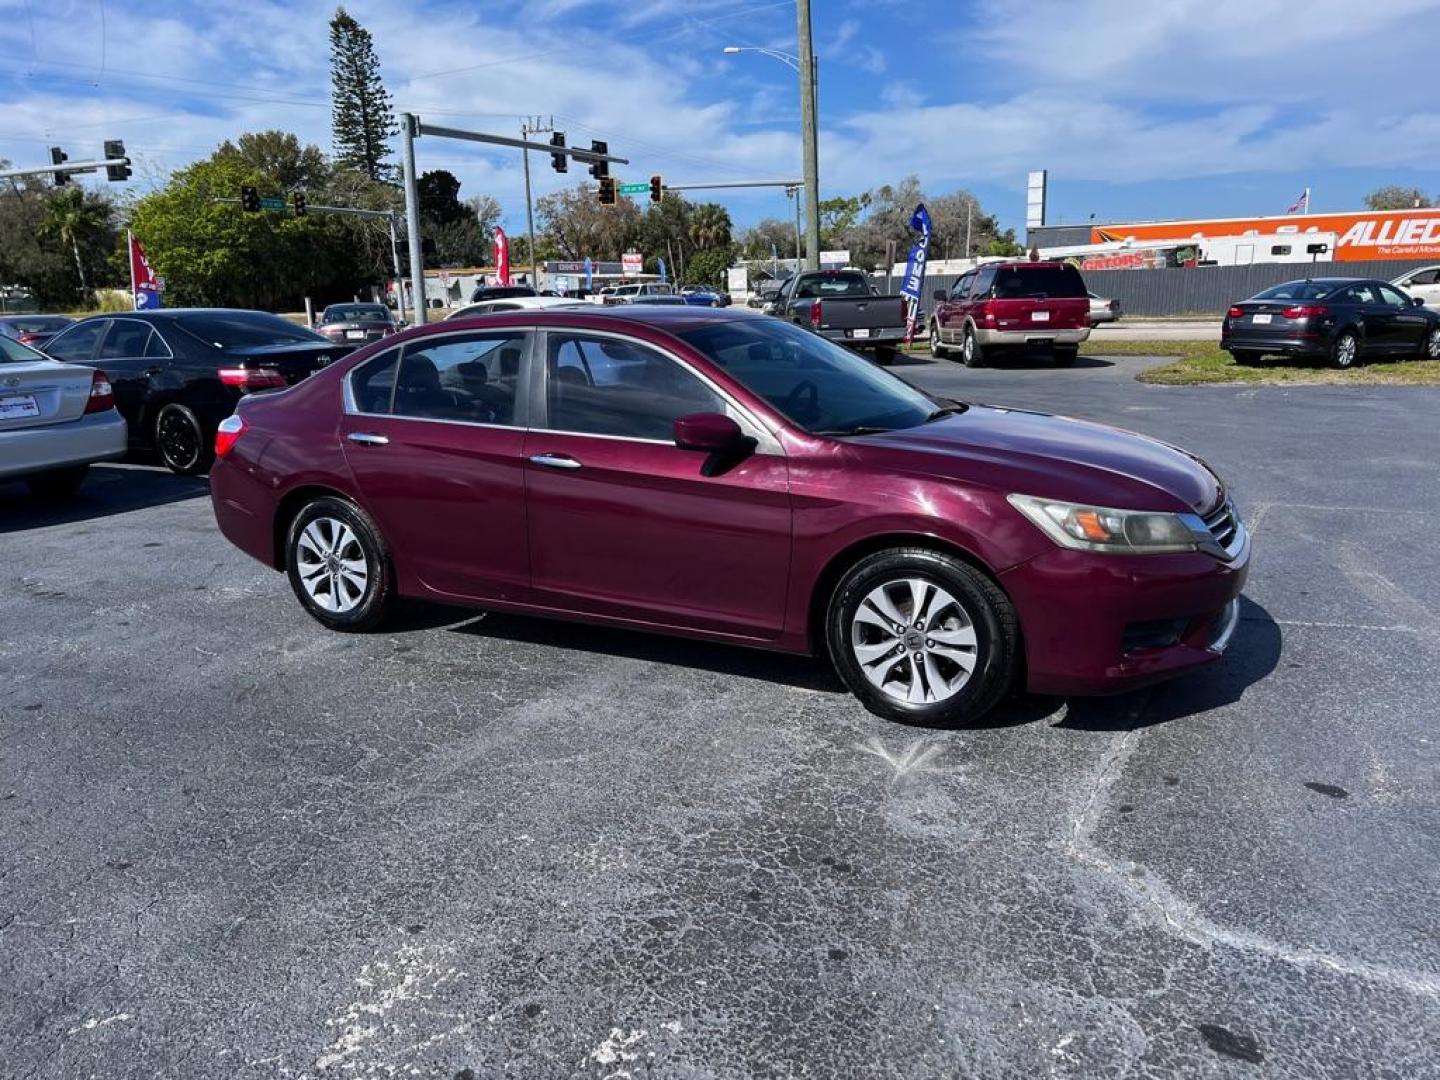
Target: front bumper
(1033,335)
(1102,624)
(93,437)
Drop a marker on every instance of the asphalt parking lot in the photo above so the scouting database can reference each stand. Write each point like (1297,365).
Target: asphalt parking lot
(234,845)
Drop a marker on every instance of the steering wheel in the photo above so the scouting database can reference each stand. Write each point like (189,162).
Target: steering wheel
(807,392)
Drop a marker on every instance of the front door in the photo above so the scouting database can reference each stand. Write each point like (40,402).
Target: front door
(625,524)
(1409,322)
(433,433)
(136,361)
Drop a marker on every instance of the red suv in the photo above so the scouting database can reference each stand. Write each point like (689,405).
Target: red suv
(726,475)
(1020,305)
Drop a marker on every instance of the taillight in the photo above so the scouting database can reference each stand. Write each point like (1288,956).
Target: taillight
(226,435)
(1236,312)
(986,314)
(102,394)
(815,314)
(253,378)
(1305,311)
(29,338)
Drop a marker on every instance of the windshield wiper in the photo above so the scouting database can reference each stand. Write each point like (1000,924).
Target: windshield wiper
(948,410)
(858,429)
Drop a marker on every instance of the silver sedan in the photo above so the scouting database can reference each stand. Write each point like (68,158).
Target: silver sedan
(55,420)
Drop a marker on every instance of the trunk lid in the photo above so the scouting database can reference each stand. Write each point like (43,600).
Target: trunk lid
(1039,313)
(294,361)
(858,312)
(34,393)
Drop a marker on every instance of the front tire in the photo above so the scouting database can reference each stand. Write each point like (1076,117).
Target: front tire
(1430,348)
(971,355)
(57,483)
(339,565)
(922,637)
(180,439)
(1345,350)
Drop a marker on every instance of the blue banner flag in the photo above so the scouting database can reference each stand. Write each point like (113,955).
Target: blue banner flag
(589,274)
(914,284)
(661,263)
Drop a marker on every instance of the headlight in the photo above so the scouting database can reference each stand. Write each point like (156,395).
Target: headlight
(1099,528)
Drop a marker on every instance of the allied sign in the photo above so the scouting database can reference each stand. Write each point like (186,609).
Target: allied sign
(1364,234)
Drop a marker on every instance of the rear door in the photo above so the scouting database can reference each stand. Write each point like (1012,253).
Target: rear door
(134,366)
(625,524)
(77,344)
(433,433)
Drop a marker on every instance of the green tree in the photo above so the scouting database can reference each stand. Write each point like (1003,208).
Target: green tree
(768,237)
(575,225)
(708,267)
(280,156)
(361,115)
(709,227)
(1396,197)
(43,266)
(78,221)
(839,215)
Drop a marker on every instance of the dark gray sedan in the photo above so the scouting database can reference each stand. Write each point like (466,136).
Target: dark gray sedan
(356,324)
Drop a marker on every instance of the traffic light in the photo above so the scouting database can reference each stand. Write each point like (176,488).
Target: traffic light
(115,149)
(249,200)
(607,191)
(657,189)
(599,169)
(560,162)
(59,157)
(300,208)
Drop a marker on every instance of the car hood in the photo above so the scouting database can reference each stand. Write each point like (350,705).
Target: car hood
(1053,457)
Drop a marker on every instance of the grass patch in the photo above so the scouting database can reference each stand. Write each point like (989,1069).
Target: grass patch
(1201,362)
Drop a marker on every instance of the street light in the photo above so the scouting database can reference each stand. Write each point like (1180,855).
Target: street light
(804,66)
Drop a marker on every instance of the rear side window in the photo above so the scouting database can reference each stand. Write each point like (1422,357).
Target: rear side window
(77,344)
(372,384)
(1039,282)
(1425,277)
(473,378)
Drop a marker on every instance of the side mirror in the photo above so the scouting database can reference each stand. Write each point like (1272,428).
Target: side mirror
(939,294)
(1417,301)
(707,432)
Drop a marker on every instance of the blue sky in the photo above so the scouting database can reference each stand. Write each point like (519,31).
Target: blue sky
(1139,108)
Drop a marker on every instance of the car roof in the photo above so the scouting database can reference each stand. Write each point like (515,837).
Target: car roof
(670,318)
(165,314)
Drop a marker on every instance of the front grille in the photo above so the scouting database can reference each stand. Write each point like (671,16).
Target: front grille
(1223,523)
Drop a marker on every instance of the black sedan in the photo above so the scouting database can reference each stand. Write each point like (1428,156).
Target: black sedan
(356,324)
(178,373)
(1340,320)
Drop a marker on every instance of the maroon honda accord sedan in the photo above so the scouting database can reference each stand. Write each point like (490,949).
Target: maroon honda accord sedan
(721,474)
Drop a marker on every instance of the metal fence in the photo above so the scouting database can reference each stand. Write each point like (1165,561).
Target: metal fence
(1204,290)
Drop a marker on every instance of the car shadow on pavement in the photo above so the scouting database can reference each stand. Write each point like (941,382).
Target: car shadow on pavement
(1253,654)
(803,672)
(107,490)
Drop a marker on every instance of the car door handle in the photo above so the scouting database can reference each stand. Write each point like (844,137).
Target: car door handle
(365,438)
(555,461)
(153,371)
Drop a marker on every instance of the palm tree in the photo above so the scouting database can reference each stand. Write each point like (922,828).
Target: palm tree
(72,219)
(709,226)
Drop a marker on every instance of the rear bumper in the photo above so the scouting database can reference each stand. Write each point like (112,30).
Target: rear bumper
(1133,620)
(885,335)
(1034,335)
(1288,344)
(93,437)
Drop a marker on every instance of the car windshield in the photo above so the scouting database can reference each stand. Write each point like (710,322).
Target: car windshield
(819,386)
(1038,282)
(232,329)
(12,352)
(1296,290)
(356,313)
(39,324)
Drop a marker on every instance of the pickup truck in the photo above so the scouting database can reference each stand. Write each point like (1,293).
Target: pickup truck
(844,307)
(1020,306)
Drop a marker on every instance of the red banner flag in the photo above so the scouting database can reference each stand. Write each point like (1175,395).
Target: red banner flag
(502,256)
(144,283)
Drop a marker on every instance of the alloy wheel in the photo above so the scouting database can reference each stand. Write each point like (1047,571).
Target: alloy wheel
(1432,345)
(332,565)
(914,641)
(967,347)
(1345,350)
(179,441)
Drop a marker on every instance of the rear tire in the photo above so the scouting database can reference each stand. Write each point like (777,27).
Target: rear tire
(1064,355)
(339,566)
(1345,351)
(971,354)
(57,483)
(937,347)
(885,355)
(180,438)
(881,643)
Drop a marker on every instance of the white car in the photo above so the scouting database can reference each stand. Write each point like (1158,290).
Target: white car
(1424,283)
(1103,310)
(511,303)
(628,294)
(55,420)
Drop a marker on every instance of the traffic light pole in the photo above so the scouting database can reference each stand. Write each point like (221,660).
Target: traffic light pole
(411,129)
(66,168)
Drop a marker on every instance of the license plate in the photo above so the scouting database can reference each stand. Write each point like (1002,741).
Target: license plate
(860,333)
(13,408)
(1257,319)
(1039,316)
(354,335)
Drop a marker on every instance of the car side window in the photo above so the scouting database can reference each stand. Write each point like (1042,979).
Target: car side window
(1392,297)
(1425,277)
(611,386)
(472,378)
(127,338)
(156,348)
(1361,294)
(77,343)
(961,288)
(984,280)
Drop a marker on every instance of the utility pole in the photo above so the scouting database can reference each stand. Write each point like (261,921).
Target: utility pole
(794,193)
(808,121)
(969,213)
(527,129)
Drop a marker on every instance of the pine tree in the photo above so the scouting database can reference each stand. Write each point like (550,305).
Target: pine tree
(361,116)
